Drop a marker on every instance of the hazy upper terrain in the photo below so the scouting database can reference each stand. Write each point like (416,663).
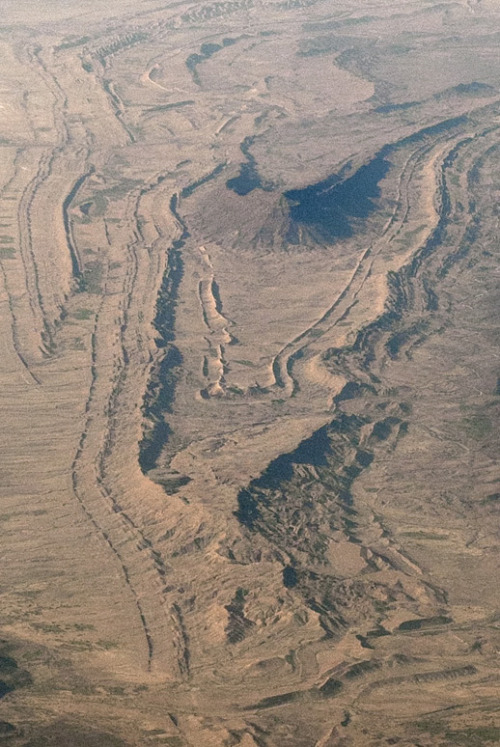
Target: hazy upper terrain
(249,373)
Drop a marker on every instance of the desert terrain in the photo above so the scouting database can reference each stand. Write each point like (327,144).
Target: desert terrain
(250,373)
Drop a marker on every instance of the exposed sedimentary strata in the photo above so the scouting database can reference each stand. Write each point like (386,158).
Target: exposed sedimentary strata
(249,450)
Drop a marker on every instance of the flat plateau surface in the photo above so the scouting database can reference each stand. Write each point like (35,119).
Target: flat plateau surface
(249,376)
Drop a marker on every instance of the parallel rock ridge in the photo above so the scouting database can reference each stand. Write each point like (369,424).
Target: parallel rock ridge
(249,376)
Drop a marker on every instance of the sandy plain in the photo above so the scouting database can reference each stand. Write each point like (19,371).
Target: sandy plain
(249,373)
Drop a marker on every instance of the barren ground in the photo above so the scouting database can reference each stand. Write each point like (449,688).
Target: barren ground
(249,373)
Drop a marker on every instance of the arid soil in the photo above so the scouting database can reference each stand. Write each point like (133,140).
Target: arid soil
(249,373)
